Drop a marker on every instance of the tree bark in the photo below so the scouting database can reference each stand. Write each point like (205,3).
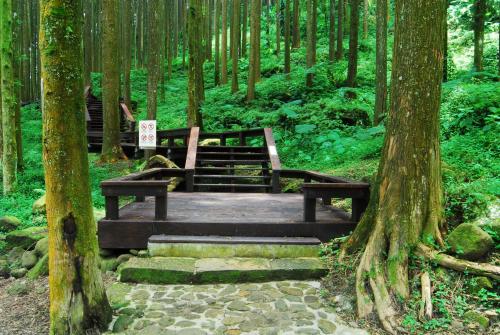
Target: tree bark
(78,303)
(10,98)
(353,44)
(287,38)
(278,27)
(406,201)
(244,26)
(311,40)
(331,32)
(381,63)
(254,47)
(111,146)
(217,42)
(235,41)
(224,43)
(365,18)
(196,93)
(296,25)
(445,42)
(479,13)
(340,30)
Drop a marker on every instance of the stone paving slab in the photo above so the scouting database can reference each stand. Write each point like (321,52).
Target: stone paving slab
(178,270)
(283,307)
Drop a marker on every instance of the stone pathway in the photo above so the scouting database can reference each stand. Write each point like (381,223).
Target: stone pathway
(287,307)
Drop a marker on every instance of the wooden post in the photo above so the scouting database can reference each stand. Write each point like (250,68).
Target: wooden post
(358,208)
(309,208)
(161,207)
(112,209)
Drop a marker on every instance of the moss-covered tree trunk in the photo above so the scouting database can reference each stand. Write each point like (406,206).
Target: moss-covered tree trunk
(154,40)
(365,18)
(296,25)
(111,146)
(9,98)
(311,40)
(287,38)
(78,303)
(381,63)
(235,43)
(479,13)
(331,32)
(196,91)
(340,30)
(255,9)
(223,78)
(244,27)
(217,42)
(405,207)
(352,69)
(445,42)
(127,52)
(277,6)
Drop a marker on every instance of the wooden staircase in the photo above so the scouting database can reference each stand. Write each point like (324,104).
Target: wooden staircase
(232,168)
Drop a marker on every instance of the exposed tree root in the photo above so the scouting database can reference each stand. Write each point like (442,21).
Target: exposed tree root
(447,261)
(426,307)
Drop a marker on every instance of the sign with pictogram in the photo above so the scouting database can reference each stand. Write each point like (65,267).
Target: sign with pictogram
(147,134)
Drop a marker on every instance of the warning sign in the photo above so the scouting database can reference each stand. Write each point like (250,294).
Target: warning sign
(147,134)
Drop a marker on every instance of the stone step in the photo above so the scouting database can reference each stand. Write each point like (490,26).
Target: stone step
(233,246)
(184,270)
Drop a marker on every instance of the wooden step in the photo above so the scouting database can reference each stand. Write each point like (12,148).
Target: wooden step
(224,148)
(236,154)
(214,239)
(232,176)
(229,186)
(232,161)
(235,168)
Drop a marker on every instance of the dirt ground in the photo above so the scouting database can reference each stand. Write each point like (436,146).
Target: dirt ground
(24,307)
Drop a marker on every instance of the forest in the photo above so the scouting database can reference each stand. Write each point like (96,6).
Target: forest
(316,167)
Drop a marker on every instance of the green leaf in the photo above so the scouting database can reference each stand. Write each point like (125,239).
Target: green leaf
(304,128)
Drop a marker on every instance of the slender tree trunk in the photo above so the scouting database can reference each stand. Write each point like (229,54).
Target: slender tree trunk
(296,25)
(311,40)
(10,99)
(184,32)
(381,63)
(217,43)
(224,43)
(235,38)
(479,13)
(445,58)
(268,23)
(175,28)
(287,38)
(153,60)
(111,146)
(353,44)
(331,32)
(127,52)
(365,18)
(18,67)
(196,92)
(340,30)
(278,27)
(406,201)
(87,42)
(78,303)
(244,29)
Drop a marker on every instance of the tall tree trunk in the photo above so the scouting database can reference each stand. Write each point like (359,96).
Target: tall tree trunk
(175,28)
(331,32)
(365,18)
(196,92)
(353,44)
(406,201)
(111,146)
(87,42)
(127,52)
(296,25)
(78,303)
(244,26)
(224,43)
(445,42)
(311,40)
(18,77)
(268,23)
(278,26)
(340,30)
(10,99)
(235,41)
(184,32)
(287,38)
(217,42)
(255,6)
(479,13)
(381,63)
(153,60)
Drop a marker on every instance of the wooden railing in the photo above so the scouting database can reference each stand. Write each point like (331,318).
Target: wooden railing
(242,135)
(318,185)
(128,116)
(191,158)
(141,184)
(274,158)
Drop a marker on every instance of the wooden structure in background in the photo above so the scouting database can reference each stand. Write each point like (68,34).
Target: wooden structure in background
(230,188)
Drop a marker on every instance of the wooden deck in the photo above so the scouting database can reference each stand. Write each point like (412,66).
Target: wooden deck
(223,214)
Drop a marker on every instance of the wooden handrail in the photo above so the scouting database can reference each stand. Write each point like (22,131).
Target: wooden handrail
(191,158)
(127,113)
(271,148)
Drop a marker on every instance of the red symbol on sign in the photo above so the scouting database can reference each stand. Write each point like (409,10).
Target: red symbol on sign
(151,126)
(144,126)
(151,138)
(144,137)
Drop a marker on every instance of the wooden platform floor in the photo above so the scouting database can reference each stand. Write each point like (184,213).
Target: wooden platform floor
(222,214)
(231,208)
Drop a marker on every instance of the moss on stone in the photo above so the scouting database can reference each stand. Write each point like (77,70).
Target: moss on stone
(469,241)
(158,270)
(476,317)
(9,223)
(25,238)
(40,269)
(117,293)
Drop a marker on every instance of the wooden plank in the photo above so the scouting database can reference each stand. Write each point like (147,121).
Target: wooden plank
(234,240)
(272,150)
(192,149)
